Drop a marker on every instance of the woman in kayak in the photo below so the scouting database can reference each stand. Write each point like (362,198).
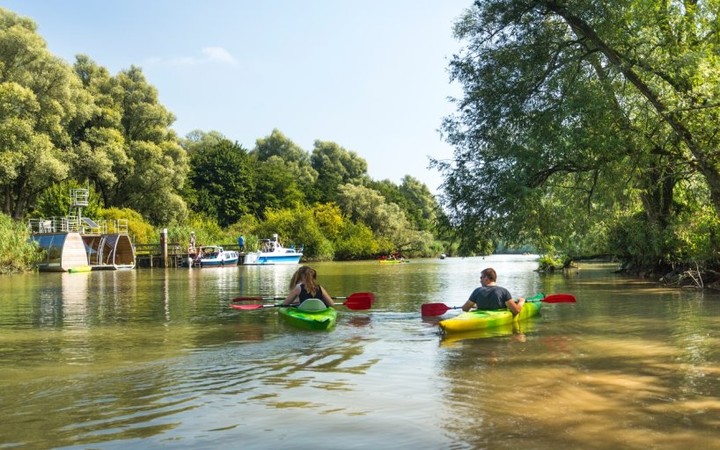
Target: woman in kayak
(303,286)
(492,296)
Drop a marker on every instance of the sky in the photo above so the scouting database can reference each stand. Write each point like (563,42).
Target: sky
(369,75)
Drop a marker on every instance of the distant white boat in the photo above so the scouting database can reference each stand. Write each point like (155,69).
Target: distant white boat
(272,252)
(211,256)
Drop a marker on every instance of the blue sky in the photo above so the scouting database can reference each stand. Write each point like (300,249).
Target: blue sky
(370,75)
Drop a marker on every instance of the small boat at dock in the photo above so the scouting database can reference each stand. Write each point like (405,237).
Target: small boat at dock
(272,252)
(214,256)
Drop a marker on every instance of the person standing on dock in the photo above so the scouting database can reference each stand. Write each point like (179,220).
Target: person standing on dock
(191,248)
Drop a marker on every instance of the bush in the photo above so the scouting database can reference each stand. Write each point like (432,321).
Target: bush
(140,231)
(18,253)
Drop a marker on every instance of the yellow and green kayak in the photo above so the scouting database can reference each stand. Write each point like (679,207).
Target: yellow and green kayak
(484,319)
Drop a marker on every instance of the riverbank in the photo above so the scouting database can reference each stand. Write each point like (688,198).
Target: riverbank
(681,275)
(17,253)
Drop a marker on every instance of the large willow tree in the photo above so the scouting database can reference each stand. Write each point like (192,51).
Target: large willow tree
(576,115)
(40,98)
(127,149)
(108,132)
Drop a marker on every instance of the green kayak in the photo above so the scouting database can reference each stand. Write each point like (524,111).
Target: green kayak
(484,319)
(312,314)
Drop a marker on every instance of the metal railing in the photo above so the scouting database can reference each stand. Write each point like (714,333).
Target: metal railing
(74,224)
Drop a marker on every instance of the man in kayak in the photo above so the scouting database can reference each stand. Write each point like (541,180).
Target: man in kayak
(492,296)
(303,286)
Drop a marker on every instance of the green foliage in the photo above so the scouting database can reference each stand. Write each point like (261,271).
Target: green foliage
(277,187)
(56,201)
(17,252)
(126,148)
(696,236)
(356,242)
(693,237)
(140,231)
(579,128)
(335,166)
(207,232)
(550,263)
(222,180)
(414,198)
(39,98)
(330,220)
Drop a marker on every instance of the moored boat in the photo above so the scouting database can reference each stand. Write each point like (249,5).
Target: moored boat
(312,314)
(213,256)
(484,319)
(272,252)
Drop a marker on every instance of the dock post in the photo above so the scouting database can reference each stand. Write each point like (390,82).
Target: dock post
(164,247)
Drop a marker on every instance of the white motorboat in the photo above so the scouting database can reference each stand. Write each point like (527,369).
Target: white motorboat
(211,256)
(272,252)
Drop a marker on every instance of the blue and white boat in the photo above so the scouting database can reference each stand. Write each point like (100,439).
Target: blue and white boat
(213,256)
(272,252)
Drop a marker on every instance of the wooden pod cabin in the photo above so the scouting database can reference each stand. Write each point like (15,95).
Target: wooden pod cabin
(75,243)
(88,249)
(64,252)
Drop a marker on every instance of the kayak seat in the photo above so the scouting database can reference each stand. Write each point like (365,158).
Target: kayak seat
(312,304)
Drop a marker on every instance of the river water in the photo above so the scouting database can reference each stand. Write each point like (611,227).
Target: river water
(155,358)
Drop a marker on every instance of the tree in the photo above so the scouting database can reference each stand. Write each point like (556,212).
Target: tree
(127,148)
(296,160)
(335,166)
(222,180)
(671,61)
(39,99)
(419,204)
(276,186)
(565,120)
(386,220)
(422,207)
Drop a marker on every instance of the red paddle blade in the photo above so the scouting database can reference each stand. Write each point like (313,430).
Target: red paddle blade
(559,298)
(363,297)
(247,307)
(359,301)
(434,309)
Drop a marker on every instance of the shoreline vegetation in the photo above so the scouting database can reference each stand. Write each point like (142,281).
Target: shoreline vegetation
(19,254)
(576,150)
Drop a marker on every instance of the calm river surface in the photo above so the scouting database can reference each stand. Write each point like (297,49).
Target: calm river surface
(154,358)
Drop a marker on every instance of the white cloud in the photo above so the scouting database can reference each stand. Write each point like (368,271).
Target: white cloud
(209,55)
(219,54)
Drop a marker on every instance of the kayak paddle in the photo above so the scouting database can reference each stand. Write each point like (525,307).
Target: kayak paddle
(358,295)
(438,309)
(359,300)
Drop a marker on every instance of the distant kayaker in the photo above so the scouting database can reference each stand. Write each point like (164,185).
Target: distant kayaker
(303,286)
(492,296)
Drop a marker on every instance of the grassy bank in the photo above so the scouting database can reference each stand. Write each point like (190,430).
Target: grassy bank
(17,253)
